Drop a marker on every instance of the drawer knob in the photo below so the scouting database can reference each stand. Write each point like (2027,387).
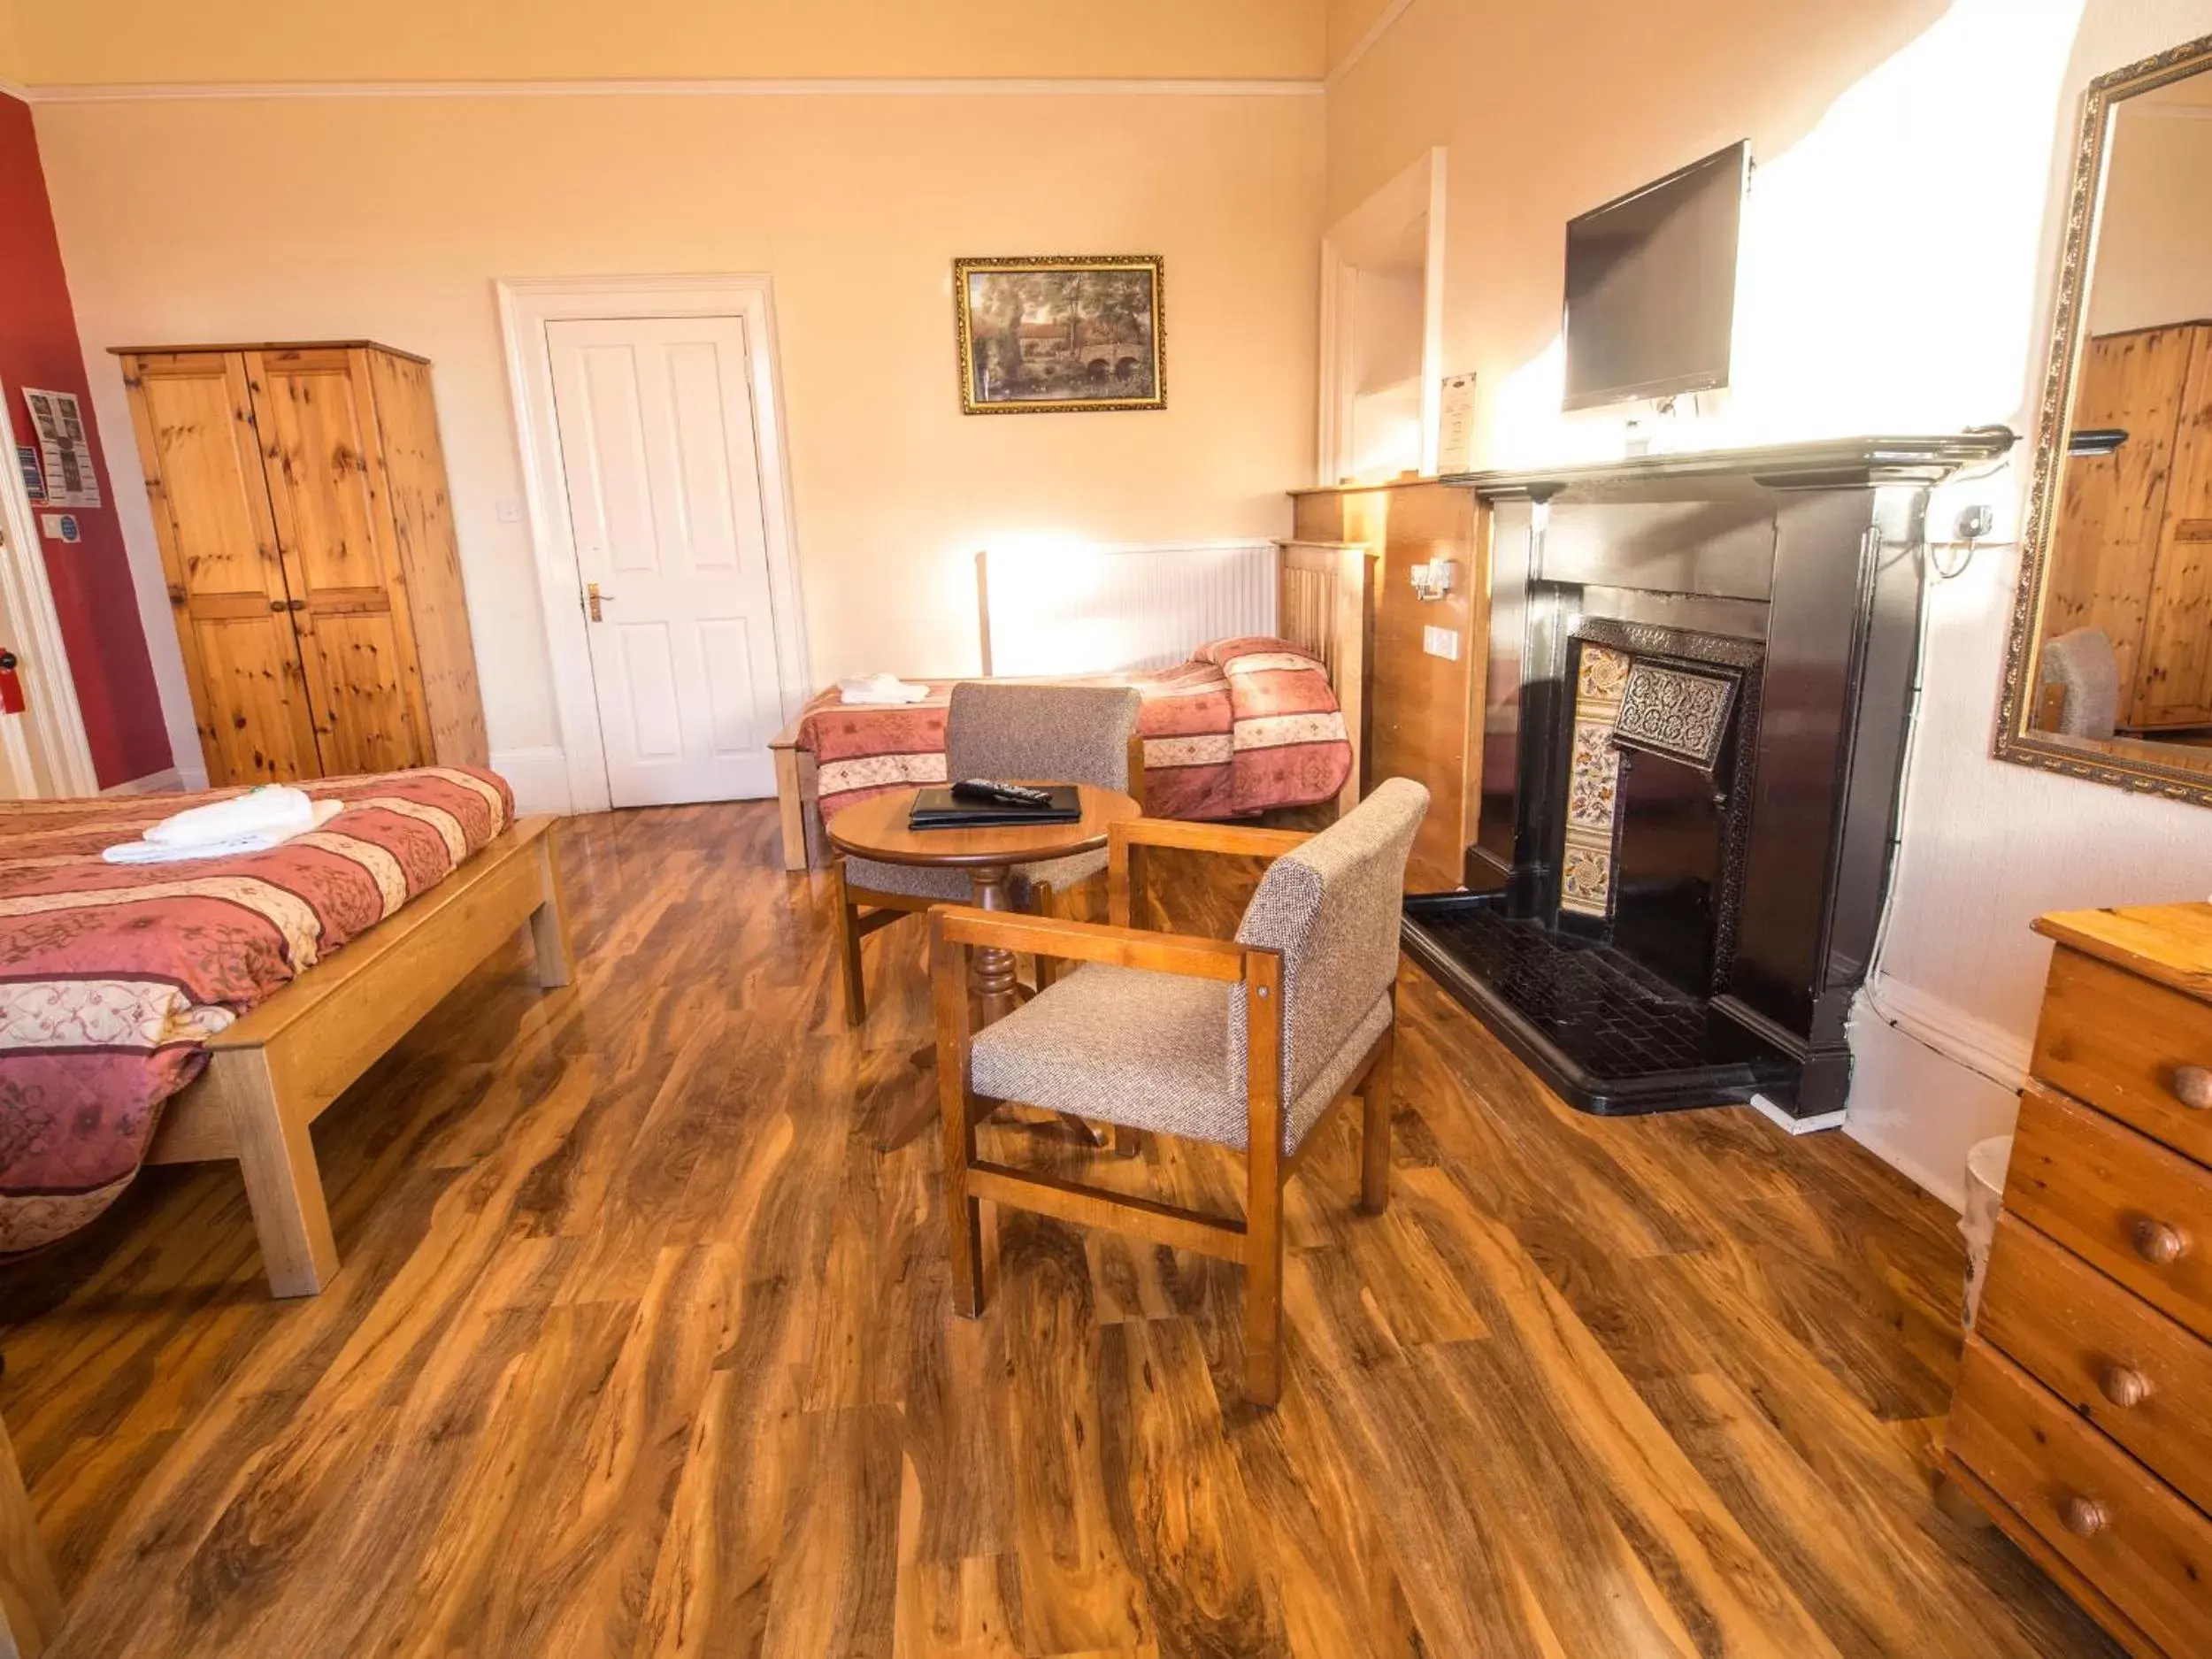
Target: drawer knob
(2083,1516)
(2159,1243)
(2192,1087)
(2124,1385)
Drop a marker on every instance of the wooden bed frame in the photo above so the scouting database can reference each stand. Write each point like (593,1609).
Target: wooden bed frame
(1324,595)
(275,1071)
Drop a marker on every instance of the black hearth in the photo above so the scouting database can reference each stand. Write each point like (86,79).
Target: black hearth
(1700,677)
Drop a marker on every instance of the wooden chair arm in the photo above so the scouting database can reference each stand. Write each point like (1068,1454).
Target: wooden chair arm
(1247,840)
(1123,885)
(1187,957)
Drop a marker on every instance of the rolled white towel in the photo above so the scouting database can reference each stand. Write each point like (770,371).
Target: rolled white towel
(273,806)
(153,852)
(880,688)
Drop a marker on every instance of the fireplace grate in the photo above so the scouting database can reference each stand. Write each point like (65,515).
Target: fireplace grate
(1606,1034)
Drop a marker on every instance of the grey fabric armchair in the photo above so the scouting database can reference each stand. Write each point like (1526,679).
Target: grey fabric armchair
(1041,733)
(1250,1043)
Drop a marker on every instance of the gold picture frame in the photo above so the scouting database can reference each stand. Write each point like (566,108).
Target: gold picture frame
(1060,334)
(2124,763)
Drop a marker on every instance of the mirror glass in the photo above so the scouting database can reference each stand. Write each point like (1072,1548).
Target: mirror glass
(2122,669)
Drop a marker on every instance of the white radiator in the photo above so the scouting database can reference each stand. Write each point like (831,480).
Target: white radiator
(1083,609)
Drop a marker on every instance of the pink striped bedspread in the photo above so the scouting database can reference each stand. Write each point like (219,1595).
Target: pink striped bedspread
(1245,725)
(112,977)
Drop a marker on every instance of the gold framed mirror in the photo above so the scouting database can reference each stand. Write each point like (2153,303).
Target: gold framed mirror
(2109,665)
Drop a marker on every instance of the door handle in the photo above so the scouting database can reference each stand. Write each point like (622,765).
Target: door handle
(594,599)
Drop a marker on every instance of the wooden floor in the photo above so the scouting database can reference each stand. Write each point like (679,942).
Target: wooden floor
(640,1346)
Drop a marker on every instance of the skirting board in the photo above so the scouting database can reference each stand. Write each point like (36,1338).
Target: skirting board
(538,776)
(1782,1120)
(1927,1082)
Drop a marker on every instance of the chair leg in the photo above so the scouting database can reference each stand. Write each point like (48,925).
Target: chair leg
(849,947)
(1263,1289)
(964,1223)
(1374,1104)
(964,1215)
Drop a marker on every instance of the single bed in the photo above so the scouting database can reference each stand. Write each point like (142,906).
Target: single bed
(182,1012)
(1244,726)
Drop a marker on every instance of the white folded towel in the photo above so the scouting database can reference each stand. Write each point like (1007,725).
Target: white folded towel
(880,688)
(153,852)
(273,806)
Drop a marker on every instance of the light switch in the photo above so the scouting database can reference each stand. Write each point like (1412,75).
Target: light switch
(1442,642)
(507,509)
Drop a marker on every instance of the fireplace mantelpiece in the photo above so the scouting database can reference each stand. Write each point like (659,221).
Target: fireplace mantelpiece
(1803,563)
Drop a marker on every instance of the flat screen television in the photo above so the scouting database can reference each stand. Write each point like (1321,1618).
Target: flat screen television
(1651,285)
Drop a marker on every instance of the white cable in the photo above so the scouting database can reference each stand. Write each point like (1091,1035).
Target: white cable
(1897,847)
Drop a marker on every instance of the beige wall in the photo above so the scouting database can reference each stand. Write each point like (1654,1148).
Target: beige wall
(390,218)
(1849,314)
(1348,23)
(96,42)
(2153,259)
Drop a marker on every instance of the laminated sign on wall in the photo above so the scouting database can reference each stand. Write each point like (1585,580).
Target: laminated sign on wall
(63,447)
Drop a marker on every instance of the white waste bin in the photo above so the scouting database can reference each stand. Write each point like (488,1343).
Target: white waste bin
(1985,1165)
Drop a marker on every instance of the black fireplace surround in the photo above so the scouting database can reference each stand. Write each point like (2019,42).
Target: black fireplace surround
(1745,882)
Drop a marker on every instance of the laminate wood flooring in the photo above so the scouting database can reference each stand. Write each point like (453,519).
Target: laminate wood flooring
(639,1348)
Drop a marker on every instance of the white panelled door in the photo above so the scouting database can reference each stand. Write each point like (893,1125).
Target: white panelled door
(656,424)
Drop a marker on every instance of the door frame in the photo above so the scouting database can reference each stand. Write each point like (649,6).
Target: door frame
(1417,192)
(527,304)
(46,746)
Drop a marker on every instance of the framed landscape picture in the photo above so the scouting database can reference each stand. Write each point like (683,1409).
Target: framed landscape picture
(1038,336)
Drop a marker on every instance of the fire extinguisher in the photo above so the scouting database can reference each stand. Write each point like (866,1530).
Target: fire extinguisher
(11,685)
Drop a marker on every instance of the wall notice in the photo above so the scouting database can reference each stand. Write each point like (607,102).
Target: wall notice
(1456,426)
(63,448)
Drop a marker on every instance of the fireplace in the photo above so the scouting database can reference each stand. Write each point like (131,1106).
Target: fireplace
(1700,678)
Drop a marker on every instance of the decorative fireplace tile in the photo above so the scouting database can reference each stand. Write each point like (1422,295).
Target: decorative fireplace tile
(1585,880)
(1604,674)
(1593,779)
(1670,712)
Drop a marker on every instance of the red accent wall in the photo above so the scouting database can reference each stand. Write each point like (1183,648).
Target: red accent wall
(91,579)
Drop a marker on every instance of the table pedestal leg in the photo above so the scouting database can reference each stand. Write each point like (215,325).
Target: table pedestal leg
(991,982)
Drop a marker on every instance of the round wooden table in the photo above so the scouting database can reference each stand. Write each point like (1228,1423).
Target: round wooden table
(877,829)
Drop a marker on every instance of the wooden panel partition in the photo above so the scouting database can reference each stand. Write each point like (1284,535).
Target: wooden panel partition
(1418,714)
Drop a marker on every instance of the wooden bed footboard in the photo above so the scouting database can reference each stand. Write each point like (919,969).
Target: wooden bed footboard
(273,1072)
(1325,595)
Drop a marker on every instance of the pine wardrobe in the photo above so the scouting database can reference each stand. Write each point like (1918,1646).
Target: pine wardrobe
(299,495)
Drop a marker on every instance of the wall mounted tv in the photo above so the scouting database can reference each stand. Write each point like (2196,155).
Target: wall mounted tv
(1651,285)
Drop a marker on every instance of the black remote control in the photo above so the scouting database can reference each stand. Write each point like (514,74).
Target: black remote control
(983,790)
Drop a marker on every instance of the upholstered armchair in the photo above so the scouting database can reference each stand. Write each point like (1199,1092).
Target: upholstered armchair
(1250,1043)
(1040,734)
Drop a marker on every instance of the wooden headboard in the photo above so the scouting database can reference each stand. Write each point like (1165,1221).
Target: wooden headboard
(1324,604)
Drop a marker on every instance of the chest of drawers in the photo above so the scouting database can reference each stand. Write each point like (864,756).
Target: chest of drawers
(2082,1418)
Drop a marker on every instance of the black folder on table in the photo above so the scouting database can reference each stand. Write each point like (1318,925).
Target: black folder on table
(935,808)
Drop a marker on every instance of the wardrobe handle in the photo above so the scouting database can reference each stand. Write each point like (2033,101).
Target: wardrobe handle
(2192,1087)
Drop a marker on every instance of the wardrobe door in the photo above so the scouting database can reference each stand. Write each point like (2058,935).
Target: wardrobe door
(2173,686)
(317,425)
(2111,506)
(193,420)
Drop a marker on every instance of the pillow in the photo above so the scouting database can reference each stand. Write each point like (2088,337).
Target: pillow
(1220,653)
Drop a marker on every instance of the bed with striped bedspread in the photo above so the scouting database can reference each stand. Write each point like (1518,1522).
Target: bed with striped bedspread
(112,977)
(1246,725)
